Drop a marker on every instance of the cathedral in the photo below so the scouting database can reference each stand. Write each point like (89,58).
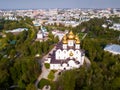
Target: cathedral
(67,54)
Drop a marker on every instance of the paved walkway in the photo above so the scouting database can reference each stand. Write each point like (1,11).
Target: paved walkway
(84,36)
(46,87)
(87,61)
(44,74)
(56,75)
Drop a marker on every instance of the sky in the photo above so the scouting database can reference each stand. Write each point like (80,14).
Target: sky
(35,4)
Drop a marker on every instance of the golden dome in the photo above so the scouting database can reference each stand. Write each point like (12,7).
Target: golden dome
(64,38)
(71,35)
(77,41)
(64,41)
(71,54)
(76,37)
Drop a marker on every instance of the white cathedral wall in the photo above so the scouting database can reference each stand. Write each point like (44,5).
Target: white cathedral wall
(77,55)
(68,54)
(39,35)
(47,60)
(64,46)
(65,54)
(70,42)
(61,54)
(55,66)
(59,67)
(62,68)
(71,63)
(77,46)
(58,54)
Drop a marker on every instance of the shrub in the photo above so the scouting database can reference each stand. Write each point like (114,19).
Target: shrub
(47,65)
(51,75)
(43,82)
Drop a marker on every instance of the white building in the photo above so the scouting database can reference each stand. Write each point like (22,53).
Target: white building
(11,18)
(104,26)
(68,54)
(42,34)
(39,35)
(18,30)
(115,49)
(60,34)
(115,27)
(36,23)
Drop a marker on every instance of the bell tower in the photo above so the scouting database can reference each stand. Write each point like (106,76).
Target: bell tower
(71,39)
(65,42)
(77,42)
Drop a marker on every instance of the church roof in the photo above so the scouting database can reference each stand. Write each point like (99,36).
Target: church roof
(70,36)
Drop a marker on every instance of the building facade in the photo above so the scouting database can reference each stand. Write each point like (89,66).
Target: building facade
(68,54)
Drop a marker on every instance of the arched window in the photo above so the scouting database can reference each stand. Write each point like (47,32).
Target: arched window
(59,57)
(59,51)
(76,57)
(77,51)
(64,51)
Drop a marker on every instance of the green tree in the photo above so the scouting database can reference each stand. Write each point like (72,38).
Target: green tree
(25,71)
(4,74)
(31,87)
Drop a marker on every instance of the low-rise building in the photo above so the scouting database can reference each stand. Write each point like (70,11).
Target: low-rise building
(113,48)
(18,30)
(42,34)
(115,27)
(60,34)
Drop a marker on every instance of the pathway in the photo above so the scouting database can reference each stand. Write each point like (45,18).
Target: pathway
(46,87)
(44,74)
(84,36)
(87,61)
(56,75)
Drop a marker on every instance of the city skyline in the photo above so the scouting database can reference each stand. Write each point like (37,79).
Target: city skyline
(26,4)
